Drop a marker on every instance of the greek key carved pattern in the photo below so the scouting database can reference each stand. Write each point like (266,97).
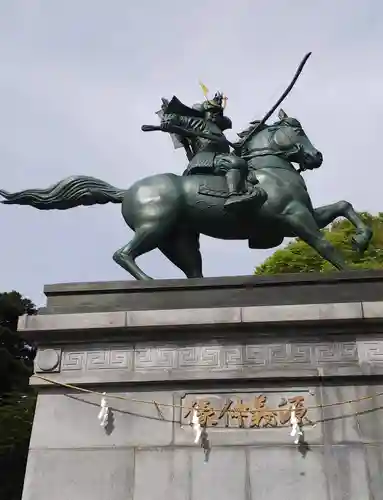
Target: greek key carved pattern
(336,352)
(372,351)
(286,354)
(232,356)
(73,360)
(121,358)
(160,358)
(199,357)
(222,358)
(98,359)
(254,355)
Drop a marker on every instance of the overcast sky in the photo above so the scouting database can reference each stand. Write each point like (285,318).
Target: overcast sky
(78,78)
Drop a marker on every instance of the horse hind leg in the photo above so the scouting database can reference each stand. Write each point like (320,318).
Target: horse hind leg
(152,211)
(146,239)
(182,249)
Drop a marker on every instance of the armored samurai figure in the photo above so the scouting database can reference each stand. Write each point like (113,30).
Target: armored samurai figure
(209,151)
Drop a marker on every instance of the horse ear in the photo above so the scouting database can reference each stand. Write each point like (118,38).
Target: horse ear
(282,115)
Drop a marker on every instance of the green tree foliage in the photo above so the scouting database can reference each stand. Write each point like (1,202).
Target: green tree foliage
(298,257)
(17,400)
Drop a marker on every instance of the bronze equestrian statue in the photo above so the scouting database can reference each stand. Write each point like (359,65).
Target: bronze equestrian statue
(249,190)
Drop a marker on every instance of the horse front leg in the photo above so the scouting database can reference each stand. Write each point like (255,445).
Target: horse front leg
(328,213)
(300,222)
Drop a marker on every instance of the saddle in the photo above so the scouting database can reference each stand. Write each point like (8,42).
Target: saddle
(209,190)
(216,193)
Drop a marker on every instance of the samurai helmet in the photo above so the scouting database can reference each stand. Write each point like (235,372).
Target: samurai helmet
(218,103)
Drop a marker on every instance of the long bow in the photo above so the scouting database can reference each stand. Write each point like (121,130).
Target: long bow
(240,144)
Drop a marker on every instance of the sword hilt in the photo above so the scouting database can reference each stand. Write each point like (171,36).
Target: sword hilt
(150,128)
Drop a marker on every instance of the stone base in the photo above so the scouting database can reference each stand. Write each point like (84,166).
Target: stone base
(249,348)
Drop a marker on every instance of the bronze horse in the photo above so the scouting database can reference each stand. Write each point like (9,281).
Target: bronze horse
(169,212)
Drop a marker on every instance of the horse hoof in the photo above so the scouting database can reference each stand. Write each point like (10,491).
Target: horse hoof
(360,242)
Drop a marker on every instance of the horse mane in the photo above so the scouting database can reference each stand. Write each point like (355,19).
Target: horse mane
(251,126)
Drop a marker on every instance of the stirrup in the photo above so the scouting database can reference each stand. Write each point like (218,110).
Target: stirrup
(246,198)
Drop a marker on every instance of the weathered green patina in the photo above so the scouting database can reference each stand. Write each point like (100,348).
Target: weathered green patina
(249,190)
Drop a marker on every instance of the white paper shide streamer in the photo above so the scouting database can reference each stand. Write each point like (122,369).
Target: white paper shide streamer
(200,434)
(296,431)
(103,416)
(196,426)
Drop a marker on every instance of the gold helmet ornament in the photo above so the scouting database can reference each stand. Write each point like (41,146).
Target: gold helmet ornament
(219,100)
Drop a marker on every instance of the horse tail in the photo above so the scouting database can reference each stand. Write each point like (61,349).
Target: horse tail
(74,191)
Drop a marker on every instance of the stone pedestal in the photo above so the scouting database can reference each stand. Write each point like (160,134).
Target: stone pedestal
(243,346)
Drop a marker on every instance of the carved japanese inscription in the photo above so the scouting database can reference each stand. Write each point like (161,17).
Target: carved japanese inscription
(246,411)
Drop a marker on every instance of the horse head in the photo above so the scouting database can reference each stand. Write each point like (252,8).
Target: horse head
(286,139)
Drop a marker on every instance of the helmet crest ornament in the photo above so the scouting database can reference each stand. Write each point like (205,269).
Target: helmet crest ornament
(219,98)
